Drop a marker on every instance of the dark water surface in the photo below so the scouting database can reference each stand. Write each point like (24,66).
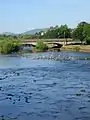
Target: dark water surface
(45,86)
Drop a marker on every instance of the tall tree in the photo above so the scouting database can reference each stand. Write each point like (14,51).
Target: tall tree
(80,32)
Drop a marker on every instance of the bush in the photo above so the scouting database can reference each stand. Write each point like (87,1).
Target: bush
(9,46)
(88,40)
(40,46)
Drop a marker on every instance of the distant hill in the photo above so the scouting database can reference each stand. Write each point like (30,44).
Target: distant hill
(34,31)
(31,32)
(8,33)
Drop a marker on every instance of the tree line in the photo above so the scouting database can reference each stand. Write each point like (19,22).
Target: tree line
(81,32)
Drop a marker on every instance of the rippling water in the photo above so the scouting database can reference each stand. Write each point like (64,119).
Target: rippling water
(45,86)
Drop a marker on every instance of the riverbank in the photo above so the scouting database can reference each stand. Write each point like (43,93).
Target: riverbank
(78,48)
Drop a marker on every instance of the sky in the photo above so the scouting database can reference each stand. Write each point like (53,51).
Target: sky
(18,16)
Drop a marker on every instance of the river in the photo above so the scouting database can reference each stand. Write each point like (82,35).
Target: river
(45,86)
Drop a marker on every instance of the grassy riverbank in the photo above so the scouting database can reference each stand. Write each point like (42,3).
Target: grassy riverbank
(9,46)
(78,48)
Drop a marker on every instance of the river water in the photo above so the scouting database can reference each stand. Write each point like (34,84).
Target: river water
(45,86)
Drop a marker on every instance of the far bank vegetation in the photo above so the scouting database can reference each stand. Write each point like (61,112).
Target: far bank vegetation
(12,43)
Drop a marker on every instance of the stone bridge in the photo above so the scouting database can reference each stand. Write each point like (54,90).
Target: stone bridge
(51,44)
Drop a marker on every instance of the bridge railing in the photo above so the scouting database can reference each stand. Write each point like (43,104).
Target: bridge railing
(46,40)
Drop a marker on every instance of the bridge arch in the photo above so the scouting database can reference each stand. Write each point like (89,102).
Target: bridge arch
(56,45)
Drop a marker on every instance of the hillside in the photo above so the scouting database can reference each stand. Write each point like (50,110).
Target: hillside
(34,31)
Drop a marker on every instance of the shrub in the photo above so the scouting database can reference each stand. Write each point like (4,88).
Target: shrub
(40,46)
(88,40)
(9,46)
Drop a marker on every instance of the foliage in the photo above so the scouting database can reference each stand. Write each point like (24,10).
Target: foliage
(9,46)
(26,36)
(56,32)
(82,31)
(3,37)
(40,46)
(88,40)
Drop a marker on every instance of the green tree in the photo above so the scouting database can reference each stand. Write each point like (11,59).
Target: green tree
(58,32)
(80,32)
(64,32)
(88,40)
(9,46)
(40,46)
